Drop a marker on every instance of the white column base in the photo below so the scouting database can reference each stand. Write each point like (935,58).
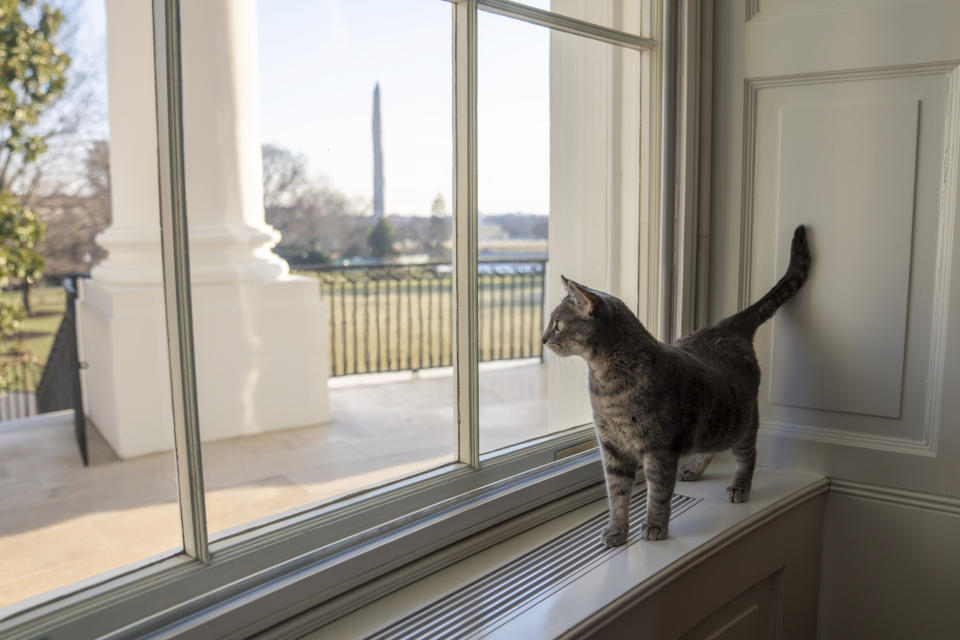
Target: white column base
(261,354)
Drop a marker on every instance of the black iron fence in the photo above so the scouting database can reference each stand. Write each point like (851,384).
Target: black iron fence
(59,386)
(18,379)
(400,317)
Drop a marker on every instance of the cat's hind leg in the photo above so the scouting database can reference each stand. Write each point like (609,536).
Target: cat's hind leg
(745,453)
(661,472)
(694,466)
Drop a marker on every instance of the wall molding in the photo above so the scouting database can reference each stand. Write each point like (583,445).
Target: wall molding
(900,497)
(889,444)
(747,191)
(942,277)
(752,88)
(927,444)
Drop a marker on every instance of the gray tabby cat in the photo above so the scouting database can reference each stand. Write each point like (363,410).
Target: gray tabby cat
(654,402)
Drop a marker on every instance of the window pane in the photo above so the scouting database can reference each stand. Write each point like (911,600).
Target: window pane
(323,366)
(558,127)
(623,15)
(95,189)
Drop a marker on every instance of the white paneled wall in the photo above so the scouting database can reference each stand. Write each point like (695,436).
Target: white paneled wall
(845,116)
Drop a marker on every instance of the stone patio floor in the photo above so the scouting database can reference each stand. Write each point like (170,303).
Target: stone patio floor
(61,522)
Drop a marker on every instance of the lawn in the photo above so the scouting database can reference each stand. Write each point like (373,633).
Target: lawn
(405,323)
(36,333)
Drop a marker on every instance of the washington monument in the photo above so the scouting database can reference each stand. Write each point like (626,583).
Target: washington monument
(377,156)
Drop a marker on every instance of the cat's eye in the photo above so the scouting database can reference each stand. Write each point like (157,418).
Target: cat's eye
(559,325)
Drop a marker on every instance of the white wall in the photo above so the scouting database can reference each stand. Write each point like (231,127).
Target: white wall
(846,117)
(889,570)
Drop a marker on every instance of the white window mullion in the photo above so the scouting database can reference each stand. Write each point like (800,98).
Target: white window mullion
(566,24)
(466,301)
(176,277)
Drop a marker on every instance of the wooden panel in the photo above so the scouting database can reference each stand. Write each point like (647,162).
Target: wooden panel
(867,55)
(848,360)
(847,171)
(780,8)
(748,616)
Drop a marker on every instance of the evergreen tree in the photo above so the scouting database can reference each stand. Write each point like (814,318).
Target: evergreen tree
(32,76)
(381,239)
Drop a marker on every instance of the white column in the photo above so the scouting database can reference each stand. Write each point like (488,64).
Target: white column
(133,239)
(221,112)
(229,239)
(260,334)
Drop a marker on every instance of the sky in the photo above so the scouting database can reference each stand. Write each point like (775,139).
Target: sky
(319,61)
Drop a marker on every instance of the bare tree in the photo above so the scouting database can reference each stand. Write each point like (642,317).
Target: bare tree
(70,122)
(285,177)
(315,219)
(73,220)
(96,172)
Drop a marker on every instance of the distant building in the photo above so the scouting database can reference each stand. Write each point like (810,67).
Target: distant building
(377,156)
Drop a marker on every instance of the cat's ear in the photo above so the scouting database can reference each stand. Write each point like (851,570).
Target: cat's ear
(584,299)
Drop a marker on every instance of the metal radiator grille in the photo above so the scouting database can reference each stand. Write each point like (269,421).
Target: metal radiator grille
(491,600)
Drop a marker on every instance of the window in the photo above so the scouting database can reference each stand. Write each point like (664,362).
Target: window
(323,404)
(340,356)
(558,131)
(61,521)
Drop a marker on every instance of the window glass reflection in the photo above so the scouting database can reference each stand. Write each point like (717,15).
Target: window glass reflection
(558,128)
(318,193)
(87,476)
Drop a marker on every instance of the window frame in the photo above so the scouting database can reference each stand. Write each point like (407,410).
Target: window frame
(287,561)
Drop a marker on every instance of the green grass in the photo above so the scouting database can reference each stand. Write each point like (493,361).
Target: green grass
(35,337)
(37,330)
(407,324)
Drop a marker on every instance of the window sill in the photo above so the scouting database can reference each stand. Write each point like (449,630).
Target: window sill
(635,570)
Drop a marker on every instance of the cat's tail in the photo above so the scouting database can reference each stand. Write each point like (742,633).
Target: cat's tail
(747,321)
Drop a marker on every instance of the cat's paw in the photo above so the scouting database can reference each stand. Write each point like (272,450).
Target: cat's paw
(689,475)
(738,494)
(612,538)
(650,532)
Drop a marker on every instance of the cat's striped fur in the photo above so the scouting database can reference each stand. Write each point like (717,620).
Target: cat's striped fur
(654,402)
